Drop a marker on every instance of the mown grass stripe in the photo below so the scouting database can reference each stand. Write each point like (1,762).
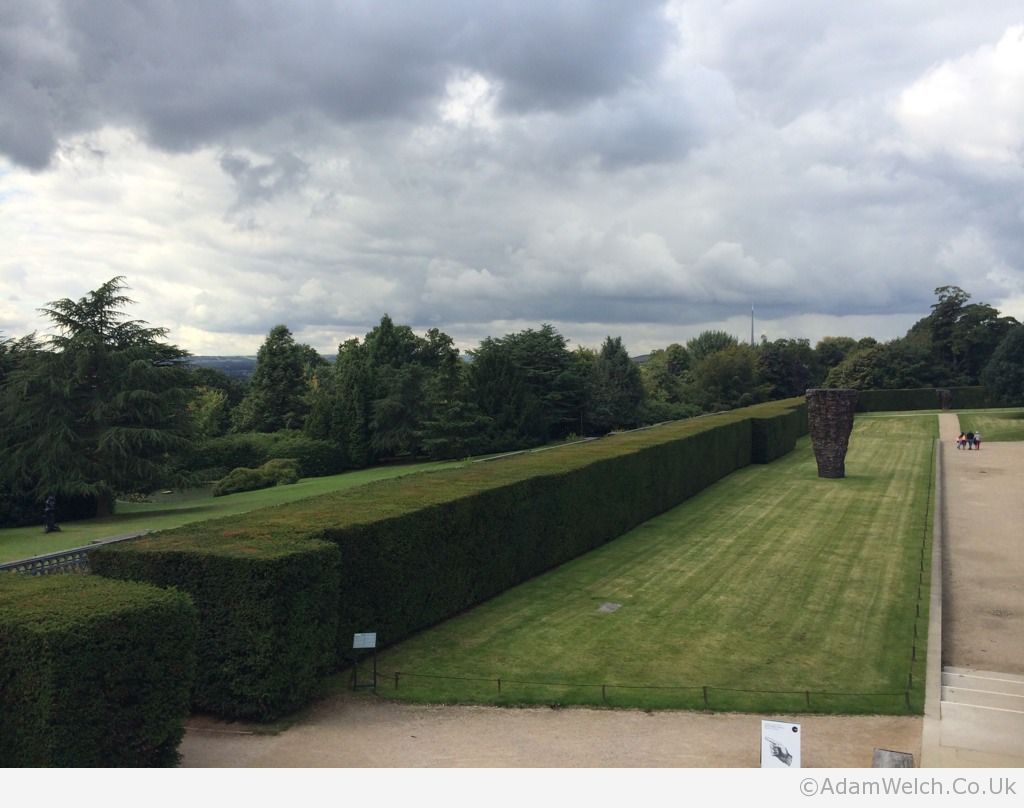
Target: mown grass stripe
(770,580)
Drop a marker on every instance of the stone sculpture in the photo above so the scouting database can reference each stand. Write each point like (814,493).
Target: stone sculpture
(830,417)
(50,515)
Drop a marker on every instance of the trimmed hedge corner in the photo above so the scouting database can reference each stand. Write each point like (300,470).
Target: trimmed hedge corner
(269,615)
(93,672)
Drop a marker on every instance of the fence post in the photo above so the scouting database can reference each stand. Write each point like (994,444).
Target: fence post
(499,685)
(706,705)
(604,694)
(807,694)
(397,674)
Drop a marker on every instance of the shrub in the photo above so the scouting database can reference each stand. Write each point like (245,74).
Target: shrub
(283,471)
(230,451)
(268,613)
(93,672)
(316,458)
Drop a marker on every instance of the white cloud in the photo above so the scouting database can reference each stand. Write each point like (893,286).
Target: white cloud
(971,107)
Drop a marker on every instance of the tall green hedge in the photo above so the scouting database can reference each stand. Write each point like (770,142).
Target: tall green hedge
(93,672)
(921,398)
(269,614)
(415,550)
(775,434)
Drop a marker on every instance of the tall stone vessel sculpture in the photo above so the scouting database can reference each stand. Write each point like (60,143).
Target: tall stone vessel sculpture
(830,417)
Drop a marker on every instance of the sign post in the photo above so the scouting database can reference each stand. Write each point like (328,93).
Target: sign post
(364,642)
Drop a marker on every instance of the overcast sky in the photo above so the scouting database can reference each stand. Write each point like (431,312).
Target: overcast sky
(631,168)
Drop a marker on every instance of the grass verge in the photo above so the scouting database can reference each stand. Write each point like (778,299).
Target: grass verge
(772,591)
(998,425)
(182,508)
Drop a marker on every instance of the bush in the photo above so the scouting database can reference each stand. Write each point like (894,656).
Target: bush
(230,451)
(316,458)
(274,472)
(268,613)
(93,672)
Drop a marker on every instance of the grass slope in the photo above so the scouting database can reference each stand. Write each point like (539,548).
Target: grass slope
(185,508)
(998,425)
(771,580)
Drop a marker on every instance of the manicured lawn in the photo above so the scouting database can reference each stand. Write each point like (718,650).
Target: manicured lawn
(771,580)
(167,511)
(998,425)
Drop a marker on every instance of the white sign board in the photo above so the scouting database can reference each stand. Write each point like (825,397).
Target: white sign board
(364,640)
(780,745)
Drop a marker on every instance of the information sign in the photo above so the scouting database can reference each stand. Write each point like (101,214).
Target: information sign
(780,745)
(368,640)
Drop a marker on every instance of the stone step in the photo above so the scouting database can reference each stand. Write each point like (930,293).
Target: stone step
(983,680)
(983,698)
(981,729)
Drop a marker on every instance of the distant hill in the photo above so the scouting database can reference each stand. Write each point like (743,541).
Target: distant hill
(237,367)
(242,367)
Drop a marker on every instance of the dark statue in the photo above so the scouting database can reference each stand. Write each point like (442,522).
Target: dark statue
(50,515)
(830,417)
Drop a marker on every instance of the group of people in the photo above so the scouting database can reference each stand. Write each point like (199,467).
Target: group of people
(969,440)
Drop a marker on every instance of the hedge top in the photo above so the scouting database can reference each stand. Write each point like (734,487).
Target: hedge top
(284,529)
(59,603)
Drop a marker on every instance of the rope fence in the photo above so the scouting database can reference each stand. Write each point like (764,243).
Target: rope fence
(705,697)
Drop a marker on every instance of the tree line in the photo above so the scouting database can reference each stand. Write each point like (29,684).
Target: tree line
(106,408)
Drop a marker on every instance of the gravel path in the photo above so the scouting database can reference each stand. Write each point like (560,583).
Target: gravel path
(983,565)
(362,731)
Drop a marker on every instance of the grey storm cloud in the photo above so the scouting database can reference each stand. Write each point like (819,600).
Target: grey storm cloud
(189,73)
(262,181)
(637,166)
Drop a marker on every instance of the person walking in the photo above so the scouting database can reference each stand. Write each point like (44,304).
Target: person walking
(977,441)
(960,441)
(970,441)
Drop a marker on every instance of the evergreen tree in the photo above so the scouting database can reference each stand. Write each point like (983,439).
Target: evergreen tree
(100,412)
(277,394)
(615,388)
(529,384)
(341,404)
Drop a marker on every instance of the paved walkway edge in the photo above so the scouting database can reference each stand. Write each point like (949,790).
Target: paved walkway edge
(931,734)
